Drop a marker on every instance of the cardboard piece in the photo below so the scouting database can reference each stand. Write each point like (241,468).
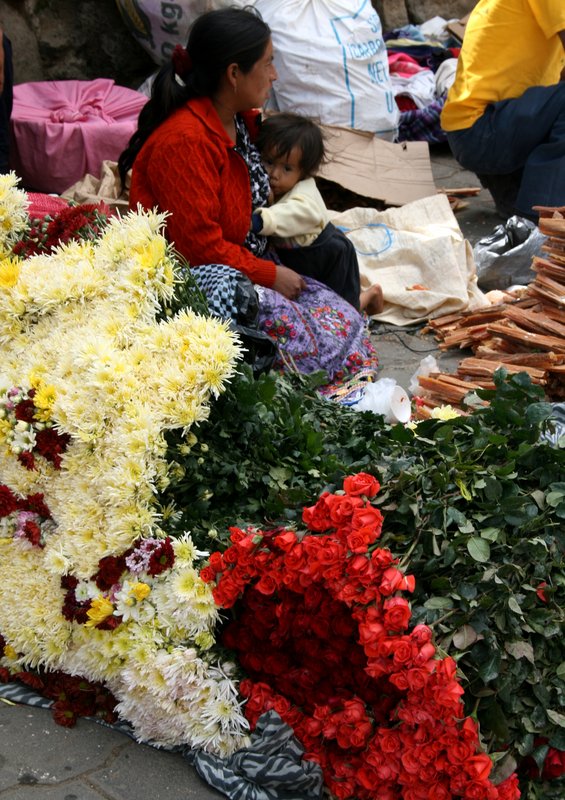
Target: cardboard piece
(362,163)
(457,29)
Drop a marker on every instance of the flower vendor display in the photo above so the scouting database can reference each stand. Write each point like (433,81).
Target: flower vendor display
(156,563)
(92,376)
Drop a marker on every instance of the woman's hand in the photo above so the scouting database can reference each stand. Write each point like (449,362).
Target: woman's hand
(288,282)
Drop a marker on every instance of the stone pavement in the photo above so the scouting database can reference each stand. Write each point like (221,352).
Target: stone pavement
(40,760)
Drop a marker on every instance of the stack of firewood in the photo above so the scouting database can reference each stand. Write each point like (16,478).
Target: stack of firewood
(523,333)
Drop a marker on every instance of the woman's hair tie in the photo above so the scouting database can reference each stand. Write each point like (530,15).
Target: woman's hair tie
(182,63)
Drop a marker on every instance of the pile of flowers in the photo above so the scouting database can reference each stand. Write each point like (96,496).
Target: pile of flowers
(94,373)
(109,605)
(44,233)
(322,631)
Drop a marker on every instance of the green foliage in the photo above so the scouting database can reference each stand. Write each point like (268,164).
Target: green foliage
(474,508)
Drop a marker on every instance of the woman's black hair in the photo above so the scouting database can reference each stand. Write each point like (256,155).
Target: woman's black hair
(216,39)
(279,133)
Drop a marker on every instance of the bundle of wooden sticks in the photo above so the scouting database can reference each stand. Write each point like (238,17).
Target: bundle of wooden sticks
(522,333)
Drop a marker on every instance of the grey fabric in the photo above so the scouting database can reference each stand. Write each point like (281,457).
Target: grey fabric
(271,768)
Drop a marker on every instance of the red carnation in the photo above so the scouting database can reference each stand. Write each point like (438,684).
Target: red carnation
(35,503)
(110,570)
(162,558)
(8,502)
(25,411)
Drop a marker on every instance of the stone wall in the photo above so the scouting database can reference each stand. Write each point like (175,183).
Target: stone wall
(85,39)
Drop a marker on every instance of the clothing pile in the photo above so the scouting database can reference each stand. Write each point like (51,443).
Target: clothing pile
(422,60)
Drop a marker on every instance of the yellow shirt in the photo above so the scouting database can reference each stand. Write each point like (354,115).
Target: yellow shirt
(509,45)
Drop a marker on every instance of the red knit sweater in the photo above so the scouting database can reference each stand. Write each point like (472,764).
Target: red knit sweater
(189,167)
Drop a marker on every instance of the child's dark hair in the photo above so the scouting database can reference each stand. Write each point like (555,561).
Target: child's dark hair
(279,133)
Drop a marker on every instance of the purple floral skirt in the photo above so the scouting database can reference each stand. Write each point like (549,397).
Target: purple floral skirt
(318,331)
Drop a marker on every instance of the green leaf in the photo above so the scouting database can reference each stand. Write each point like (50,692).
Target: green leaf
(438,603)
(479,549)
(464,637)
(538,412)
(556,717)
(520,649)
(514,606)
(489,669)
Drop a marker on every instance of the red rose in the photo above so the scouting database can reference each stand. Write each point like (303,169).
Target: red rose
(541,593)
(358,542)
(509,789)
(394,580)
(421,634)
(217,562)
(361,484)
(459,751)
(284,541)
(397,614)
(417,677)
(207,574)
(317,517)
(341,508)
(478,767)
(368,517)
(554,764)
(266,584)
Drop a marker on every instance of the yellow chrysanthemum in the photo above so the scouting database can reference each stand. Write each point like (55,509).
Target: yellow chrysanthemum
(140,591)
(10,269)
(101,608)
(43,401)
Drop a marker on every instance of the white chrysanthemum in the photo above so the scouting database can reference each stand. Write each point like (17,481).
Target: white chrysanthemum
(14,204)
(81,322)
(186,550)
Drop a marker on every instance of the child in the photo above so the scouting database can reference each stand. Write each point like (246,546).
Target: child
(292,149)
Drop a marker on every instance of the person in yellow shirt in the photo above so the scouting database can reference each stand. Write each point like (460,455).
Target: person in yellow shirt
(504,115)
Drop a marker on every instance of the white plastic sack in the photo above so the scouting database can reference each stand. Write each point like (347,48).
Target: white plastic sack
(158,26)
(332,63)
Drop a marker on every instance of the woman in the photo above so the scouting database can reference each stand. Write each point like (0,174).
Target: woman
(192,156)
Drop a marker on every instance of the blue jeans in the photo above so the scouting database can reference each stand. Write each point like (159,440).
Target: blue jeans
(518,147)
(6,106)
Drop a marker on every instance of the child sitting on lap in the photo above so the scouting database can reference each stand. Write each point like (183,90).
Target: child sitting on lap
(292,149)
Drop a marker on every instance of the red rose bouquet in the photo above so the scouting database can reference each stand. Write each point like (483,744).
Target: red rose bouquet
(321,630)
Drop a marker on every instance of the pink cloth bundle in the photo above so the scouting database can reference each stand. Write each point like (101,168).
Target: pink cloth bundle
(63,130)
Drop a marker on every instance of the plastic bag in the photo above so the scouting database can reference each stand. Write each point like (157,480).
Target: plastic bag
(385,397)
(158,26)
(505,256)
